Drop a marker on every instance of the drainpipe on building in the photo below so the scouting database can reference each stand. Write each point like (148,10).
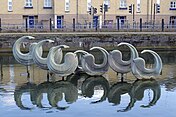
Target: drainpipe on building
(151,11)
(76,12)
(147,11)
(101,21)
(0,25)
(154,12)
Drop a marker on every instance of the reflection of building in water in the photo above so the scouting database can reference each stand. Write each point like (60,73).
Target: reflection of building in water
(20,76)
(12,74)
(38,75)
(1,71)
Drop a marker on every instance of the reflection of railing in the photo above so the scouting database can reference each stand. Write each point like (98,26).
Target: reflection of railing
(65,90)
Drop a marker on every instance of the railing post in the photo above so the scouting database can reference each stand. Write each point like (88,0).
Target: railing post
(0,25)
(26,25)
(162,25)
(96,27)
(140,24)
(118,25)
(74,24)
(50,24)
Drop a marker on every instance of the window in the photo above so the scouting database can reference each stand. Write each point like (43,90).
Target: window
(47,3)
(123,4)
(67,5)
(173,5)
(158,6)
(28,3)
(89,4)
(138,6)
(107,2)
(10,5)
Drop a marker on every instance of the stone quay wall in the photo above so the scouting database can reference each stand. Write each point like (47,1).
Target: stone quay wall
(86,41)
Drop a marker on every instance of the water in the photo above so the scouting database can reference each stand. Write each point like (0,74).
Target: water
(82,95)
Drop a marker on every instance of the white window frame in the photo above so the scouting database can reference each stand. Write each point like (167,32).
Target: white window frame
(123,4)
(173,4)
(10,5)
(158,1)
(47,3)
(138,7)
(89,4)
(67,5)
(28,3)
(107,2)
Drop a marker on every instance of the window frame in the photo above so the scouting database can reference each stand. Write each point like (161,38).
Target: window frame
(89,4)
(173,5)
(47,4)
(123,4)
(10,6)
(67,5)
(28,4)
(138,6)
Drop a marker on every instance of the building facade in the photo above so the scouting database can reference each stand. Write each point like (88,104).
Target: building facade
(87,13)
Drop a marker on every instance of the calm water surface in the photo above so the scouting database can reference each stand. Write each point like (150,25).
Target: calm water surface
(83,95)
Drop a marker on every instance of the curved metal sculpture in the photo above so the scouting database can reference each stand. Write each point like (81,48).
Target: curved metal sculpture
(115,93)
(114,59)
(140,71)
(62,69)
(27,58)
(37,55)
(42,62)
(88,62)
(117,63)
(55,94)
(82,52)
(139,86)
(89,84)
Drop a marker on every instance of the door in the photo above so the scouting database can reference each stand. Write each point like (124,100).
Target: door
(59,21)
(31,21)
(173,21)
(121,21)
(95,21)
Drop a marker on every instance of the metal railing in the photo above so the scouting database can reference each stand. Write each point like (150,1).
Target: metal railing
(124,25)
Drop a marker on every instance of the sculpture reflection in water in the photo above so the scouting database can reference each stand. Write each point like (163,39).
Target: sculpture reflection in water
(89,84)
(25,88)
(117,90)
(135,91)
(66,90)
(55,94)
(54,90)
